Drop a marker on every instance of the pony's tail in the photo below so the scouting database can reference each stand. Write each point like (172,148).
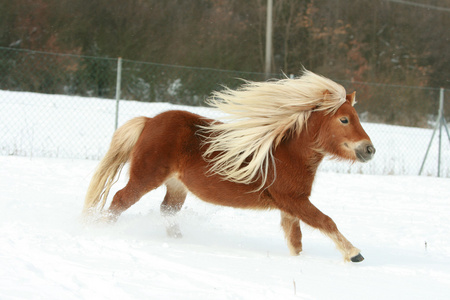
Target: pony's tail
(122,143)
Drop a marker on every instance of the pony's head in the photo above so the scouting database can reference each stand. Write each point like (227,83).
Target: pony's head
(263,114)
(341,135)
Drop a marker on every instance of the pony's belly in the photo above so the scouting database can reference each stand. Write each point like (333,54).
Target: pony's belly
(214,190)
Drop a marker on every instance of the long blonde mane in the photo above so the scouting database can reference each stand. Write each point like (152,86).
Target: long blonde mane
(260,114)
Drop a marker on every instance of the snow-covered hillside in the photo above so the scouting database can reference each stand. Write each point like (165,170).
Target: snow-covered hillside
(400,223)
(40,125)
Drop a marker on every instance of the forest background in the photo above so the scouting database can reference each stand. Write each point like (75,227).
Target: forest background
(373,41)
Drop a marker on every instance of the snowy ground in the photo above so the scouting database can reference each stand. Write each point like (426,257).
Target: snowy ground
(401,223)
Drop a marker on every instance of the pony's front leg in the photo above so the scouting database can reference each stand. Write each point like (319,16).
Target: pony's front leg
(292,232)
(312,216)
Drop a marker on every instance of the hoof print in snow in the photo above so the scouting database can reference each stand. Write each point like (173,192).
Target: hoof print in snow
(174,232)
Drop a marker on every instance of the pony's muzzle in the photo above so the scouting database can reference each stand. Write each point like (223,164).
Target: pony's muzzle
(365,151)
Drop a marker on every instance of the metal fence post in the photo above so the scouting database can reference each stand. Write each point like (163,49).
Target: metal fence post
(268,62)
(441,113)
(439,123)
(118,82)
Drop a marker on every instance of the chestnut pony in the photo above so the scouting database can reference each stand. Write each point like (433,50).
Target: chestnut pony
(263,156)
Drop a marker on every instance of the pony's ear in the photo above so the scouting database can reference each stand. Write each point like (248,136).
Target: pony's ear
(326,94)
(351,98)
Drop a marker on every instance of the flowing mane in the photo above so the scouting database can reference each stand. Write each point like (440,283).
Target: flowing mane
(260,115)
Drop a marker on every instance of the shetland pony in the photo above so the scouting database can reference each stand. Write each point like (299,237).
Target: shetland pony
(263,156)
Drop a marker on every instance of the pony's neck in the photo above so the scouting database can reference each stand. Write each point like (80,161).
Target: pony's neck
(305,144)
(297,163)
(303,148)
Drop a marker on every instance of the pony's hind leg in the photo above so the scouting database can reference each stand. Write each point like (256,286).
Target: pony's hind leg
(292,232)
(173,201)
(125,198)
(143,179)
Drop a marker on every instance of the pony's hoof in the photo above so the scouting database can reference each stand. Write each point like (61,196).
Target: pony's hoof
(357,258)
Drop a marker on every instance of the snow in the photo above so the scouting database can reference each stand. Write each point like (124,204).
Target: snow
(400,222)
(225,253)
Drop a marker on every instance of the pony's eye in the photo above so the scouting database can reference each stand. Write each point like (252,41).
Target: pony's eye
(344,120)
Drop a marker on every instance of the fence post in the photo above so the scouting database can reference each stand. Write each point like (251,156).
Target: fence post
(439,123)
(118,82)
(268,62)
(441,114)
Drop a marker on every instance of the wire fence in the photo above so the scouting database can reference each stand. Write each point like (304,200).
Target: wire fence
(59,105)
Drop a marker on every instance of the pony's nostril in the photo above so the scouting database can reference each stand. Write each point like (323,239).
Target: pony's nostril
(371,149)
